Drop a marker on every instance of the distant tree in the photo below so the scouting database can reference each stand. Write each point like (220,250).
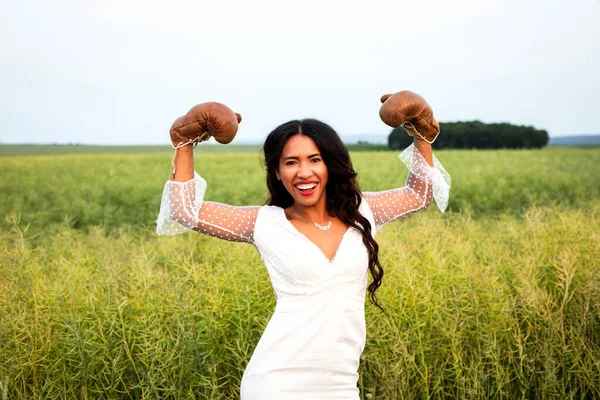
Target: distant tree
(399,139)
(477,135)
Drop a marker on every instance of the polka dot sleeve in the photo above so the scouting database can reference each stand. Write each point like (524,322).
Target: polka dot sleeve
(423,184)
(183,208)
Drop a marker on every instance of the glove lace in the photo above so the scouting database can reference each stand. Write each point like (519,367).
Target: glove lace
(205,136)
(416,132)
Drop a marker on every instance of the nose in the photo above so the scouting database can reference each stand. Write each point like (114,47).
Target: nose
(304,171)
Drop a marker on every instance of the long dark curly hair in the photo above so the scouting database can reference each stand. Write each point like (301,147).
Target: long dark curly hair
(343,192)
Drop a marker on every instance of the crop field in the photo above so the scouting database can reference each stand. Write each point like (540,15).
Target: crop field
(498,298)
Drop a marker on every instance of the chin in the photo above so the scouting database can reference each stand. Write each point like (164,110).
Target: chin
(304,202)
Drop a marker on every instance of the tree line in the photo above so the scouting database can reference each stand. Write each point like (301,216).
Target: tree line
(477,135)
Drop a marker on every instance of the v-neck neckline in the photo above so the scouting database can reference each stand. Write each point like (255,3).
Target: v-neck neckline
(331,261)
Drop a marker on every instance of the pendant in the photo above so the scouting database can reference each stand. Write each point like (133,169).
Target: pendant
(323,228)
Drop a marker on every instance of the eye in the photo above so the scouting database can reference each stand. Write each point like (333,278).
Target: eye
(290,162)
(316,159)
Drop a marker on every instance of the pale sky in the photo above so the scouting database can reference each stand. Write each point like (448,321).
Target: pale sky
(120,71)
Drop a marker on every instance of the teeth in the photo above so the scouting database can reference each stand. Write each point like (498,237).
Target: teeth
(308,186)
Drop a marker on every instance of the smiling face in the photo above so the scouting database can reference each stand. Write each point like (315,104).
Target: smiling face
(302,171)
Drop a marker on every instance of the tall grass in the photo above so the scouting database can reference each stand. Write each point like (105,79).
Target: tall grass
(493,307)
(121,190)
(498,298)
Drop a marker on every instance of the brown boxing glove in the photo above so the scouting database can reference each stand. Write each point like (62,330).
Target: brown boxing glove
(412,112)
(203,121)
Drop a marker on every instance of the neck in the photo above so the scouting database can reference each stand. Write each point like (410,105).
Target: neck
(316,213)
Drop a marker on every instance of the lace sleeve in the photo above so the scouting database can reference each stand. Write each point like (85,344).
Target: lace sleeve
(183,208)
(423,184)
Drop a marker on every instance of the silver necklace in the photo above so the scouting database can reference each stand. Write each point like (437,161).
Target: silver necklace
(321,227)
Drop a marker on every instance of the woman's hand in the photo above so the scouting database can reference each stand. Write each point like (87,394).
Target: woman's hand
(412,112)
(199,124)
(203,121)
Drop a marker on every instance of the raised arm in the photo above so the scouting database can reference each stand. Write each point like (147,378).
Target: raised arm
(183,207)
(426,179)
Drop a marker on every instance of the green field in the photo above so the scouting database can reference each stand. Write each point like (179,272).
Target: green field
(497,298)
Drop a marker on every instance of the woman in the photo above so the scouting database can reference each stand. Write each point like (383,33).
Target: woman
(316,238)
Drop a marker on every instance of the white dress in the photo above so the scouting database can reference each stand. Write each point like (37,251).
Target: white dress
(311,347)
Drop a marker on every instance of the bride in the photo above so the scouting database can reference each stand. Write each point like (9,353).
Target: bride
(315,235)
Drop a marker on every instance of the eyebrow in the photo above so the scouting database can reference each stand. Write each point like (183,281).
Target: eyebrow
(297,158)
